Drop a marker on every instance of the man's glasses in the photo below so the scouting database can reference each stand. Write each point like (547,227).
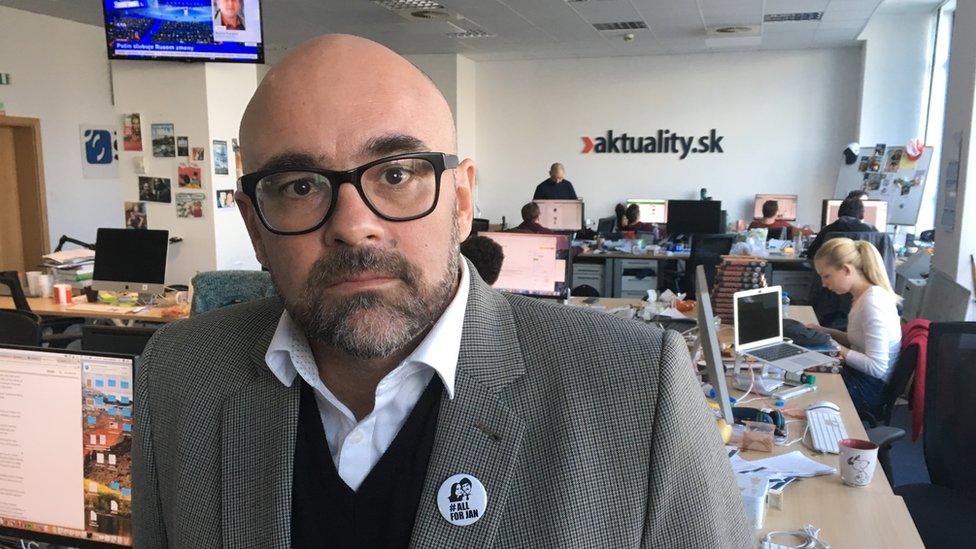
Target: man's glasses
(403,187)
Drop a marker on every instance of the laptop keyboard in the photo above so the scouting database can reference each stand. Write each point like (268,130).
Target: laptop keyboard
(777,352)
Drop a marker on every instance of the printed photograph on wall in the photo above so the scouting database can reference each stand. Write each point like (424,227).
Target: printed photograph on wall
(238,163)
(132,132)
(182,145)
(220,157)
(197,155)
(135,215)
(188,176)
(189,205)
(155,189)
(139,165)
(164,140)
(225,199)
(894,160)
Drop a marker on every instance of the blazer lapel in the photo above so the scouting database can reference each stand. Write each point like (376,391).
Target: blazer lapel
(477,434)
(260,423)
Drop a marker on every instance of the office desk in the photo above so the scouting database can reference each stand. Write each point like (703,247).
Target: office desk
(871,516)
(45,306)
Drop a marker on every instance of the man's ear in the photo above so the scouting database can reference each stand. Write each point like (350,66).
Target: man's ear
(464,182)
(253,224)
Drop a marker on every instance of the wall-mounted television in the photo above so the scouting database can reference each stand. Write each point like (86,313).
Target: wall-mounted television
(184,30)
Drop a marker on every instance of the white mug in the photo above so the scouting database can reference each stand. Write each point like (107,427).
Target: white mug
(46,284)
(33,283)
(858,460)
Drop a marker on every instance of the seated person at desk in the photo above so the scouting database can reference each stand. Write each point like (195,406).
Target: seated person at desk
(632,215)
(769,220)
(486,255)
(849,219)
(870,346)
(557,187)
(530,220)
(621,212)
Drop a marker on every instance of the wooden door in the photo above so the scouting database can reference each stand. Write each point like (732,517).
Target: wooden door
(23,209)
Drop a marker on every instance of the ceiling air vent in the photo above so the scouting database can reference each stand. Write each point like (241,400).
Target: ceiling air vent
(419,10)
(475,33)
(789,17)
(621,25)
(397,5)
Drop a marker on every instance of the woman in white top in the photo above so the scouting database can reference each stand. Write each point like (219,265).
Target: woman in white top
(870,346)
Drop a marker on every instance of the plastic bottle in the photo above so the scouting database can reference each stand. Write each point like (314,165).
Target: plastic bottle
(786,305)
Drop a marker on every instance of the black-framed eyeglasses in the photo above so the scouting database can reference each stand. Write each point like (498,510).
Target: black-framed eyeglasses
(293,201)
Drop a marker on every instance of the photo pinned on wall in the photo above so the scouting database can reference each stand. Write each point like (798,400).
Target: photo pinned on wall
(238,163)
(220,157)
(164,140)
(155,189)
(182,146)
(99,152)
(135,215)
(139,165)
(197,154)
(132,132)
(188,176)
(894,160)
(225,199)
(872,182)
(190,205)
(863,164)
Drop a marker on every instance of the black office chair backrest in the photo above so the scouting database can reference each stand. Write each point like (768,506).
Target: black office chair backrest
(124,340)
(950,416)
(584,290)
(706,250)
(832,309)
(20,328)
(901,376)
(11,280)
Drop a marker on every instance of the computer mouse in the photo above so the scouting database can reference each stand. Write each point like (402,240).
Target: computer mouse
(823,404)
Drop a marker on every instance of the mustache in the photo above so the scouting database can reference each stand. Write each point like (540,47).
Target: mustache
(350,262)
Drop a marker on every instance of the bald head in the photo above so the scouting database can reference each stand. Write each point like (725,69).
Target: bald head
(334,97)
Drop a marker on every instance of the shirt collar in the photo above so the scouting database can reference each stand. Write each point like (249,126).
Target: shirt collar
(438,350)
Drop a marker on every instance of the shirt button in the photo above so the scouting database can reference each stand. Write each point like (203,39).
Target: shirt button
(356,437)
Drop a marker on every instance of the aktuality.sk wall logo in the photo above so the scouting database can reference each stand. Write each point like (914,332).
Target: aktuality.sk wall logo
(664,141)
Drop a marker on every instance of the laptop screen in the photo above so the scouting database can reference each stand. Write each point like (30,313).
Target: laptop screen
(758,317)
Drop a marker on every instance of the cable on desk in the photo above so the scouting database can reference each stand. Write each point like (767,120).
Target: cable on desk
(809,534)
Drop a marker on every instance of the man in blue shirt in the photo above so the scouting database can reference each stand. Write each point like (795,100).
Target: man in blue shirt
(557,187)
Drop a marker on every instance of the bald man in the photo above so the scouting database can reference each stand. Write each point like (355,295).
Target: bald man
(388,397)
(556,187)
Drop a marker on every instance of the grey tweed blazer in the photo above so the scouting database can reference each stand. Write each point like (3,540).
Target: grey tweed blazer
(586,431)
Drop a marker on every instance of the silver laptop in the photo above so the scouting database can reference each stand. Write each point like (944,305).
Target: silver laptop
(759,331)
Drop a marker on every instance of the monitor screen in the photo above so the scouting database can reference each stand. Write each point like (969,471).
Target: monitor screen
(184,30)
(66,447)
(561,215)
(534,264)
(134,257)
(687,217)
(875,213)
(651,211)
(786,206)
(757,317)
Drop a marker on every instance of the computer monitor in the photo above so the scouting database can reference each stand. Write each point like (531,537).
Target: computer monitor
(688,217)
(67,443)
(534,264)
(786,204)
(561,215)
(711,351)
(651,211)
(130,260)
(875,213)
(606,225)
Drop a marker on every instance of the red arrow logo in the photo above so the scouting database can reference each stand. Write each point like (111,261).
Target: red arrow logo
(587,144)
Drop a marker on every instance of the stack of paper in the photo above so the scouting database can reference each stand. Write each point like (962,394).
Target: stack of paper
(70,258)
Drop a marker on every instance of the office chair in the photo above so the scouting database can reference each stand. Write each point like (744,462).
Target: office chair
(832,309)
(20,328)
(706,250)
(878,422)
(783,233)
(478,225)
(943,510)
(216,289)
(585,290)
(56,326)
(124,340)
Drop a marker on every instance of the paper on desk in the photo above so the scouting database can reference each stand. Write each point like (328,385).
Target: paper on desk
(671,312)
(793,464)
(69,257)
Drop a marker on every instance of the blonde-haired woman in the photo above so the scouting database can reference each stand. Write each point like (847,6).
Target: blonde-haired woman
(870,346)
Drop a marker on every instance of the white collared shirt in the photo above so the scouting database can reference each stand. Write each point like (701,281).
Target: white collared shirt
(356,447)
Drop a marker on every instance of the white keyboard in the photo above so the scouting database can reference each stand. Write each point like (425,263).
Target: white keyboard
(826,429)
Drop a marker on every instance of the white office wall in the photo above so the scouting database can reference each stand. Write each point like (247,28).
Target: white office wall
(785,117)
(165,92)
(229,88)
(466,114)
(63,87)
(442,70)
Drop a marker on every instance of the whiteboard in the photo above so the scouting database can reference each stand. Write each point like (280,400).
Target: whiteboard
(886,173)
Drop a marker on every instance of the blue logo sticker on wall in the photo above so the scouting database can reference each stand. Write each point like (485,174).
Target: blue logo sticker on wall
(99,153)
(98,147)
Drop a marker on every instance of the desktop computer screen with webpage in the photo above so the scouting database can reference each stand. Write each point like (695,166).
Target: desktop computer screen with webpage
(875,213)
(651,211)
(534,264)
(786,206)
(561,215)
(66,446)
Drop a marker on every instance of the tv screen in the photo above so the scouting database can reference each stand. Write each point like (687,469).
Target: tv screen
(184,30)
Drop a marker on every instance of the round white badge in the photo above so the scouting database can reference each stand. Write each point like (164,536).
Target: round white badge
(462,499)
